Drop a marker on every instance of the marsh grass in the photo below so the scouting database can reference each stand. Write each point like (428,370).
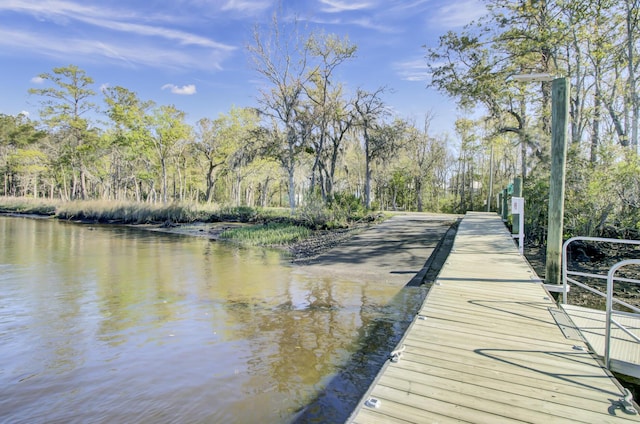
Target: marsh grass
(274,226)
(270,234)
(131,212)
(26,205)
(109,211)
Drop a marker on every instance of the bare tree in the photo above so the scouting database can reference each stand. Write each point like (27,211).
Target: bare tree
(382,140)
(280,56)
(323,94)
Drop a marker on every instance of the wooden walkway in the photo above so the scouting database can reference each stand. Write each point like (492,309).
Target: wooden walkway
(485,348)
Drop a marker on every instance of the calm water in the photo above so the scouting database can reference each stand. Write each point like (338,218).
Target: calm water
(109,324)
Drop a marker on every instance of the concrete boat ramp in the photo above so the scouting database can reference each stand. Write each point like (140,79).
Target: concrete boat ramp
(485,348)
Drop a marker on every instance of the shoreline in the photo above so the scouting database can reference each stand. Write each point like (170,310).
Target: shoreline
(301,251)
(321,241)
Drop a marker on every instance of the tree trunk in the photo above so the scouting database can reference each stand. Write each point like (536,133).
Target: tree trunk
(291,167)
(367,174)
(633,94)
(164,180)
(595,128)
(209,192)
(418,184)
(83,183)
(292,193)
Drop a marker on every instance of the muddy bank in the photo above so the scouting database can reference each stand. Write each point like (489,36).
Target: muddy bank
(594,263)
(302,251)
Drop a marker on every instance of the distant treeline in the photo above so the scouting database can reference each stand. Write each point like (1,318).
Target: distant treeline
(310,143)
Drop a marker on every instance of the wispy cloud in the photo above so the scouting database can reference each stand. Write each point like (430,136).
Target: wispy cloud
(185,90)
(37,80)
(458,13)
(336,6)
(183,38)
(122,52)
(412,70)
(369,23)
(170,53)
(247,6)
(62,12)
(406,5)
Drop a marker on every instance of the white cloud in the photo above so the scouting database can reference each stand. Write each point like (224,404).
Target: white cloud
(459,13)
(123,52)
(24,112)
(412,70)
(336,6)
(62,12)
(186,90)
(369,24)
(37,80)
(146,30)
(251,6)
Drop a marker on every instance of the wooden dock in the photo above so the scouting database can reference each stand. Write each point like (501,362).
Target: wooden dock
(625,352)
(485,348)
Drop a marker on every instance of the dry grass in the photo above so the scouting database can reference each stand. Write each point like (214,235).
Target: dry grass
(28,205)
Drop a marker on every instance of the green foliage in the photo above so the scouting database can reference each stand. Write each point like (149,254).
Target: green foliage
(236,213)
(343,210)
(64,107)
(587,205)
(601,200)
(348,205)
(18,131)
(624,189)
(314,214)
(536,194)
(270,234)
(68,99)
(27,161)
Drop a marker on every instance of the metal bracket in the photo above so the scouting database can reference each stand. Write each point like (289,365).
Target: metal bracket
(627,403)
(372,403)
(396,354)
(556,288)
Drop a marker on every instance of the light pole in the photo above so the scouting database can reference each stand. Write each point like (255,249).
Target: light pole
(559,124)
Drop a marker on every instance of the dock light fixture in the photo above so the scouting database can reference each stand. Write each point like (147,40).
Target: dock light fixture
(559,125)
(532,77)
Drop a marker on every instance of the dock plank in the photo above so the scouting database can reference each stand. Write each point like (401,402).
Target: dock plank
(479,380)
(485,348)
(503,403)
(592,326)
(460,361)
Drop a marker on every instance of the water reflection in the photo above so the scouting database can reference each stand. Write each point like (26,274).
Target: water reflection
(113,324)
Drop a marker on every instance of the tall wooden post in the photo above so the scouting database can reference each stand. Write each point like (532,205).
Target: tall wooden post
(559,125)
(505,208)
(490,195)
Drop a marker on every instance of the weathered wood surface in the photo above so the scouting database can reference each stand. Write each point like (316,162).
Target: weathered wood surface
(485,348)
(625,351)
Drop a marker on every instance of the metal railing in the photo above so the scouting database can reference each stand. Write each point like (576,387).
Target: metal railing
(610,299)
(611,311)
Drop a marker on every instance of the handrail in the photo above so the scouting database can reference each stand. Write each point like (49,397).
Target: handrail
(610,311)
(610,300)
(566,273)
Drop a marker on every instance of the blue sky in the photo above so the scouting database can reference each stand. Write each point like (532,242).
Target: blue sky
(191,53)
